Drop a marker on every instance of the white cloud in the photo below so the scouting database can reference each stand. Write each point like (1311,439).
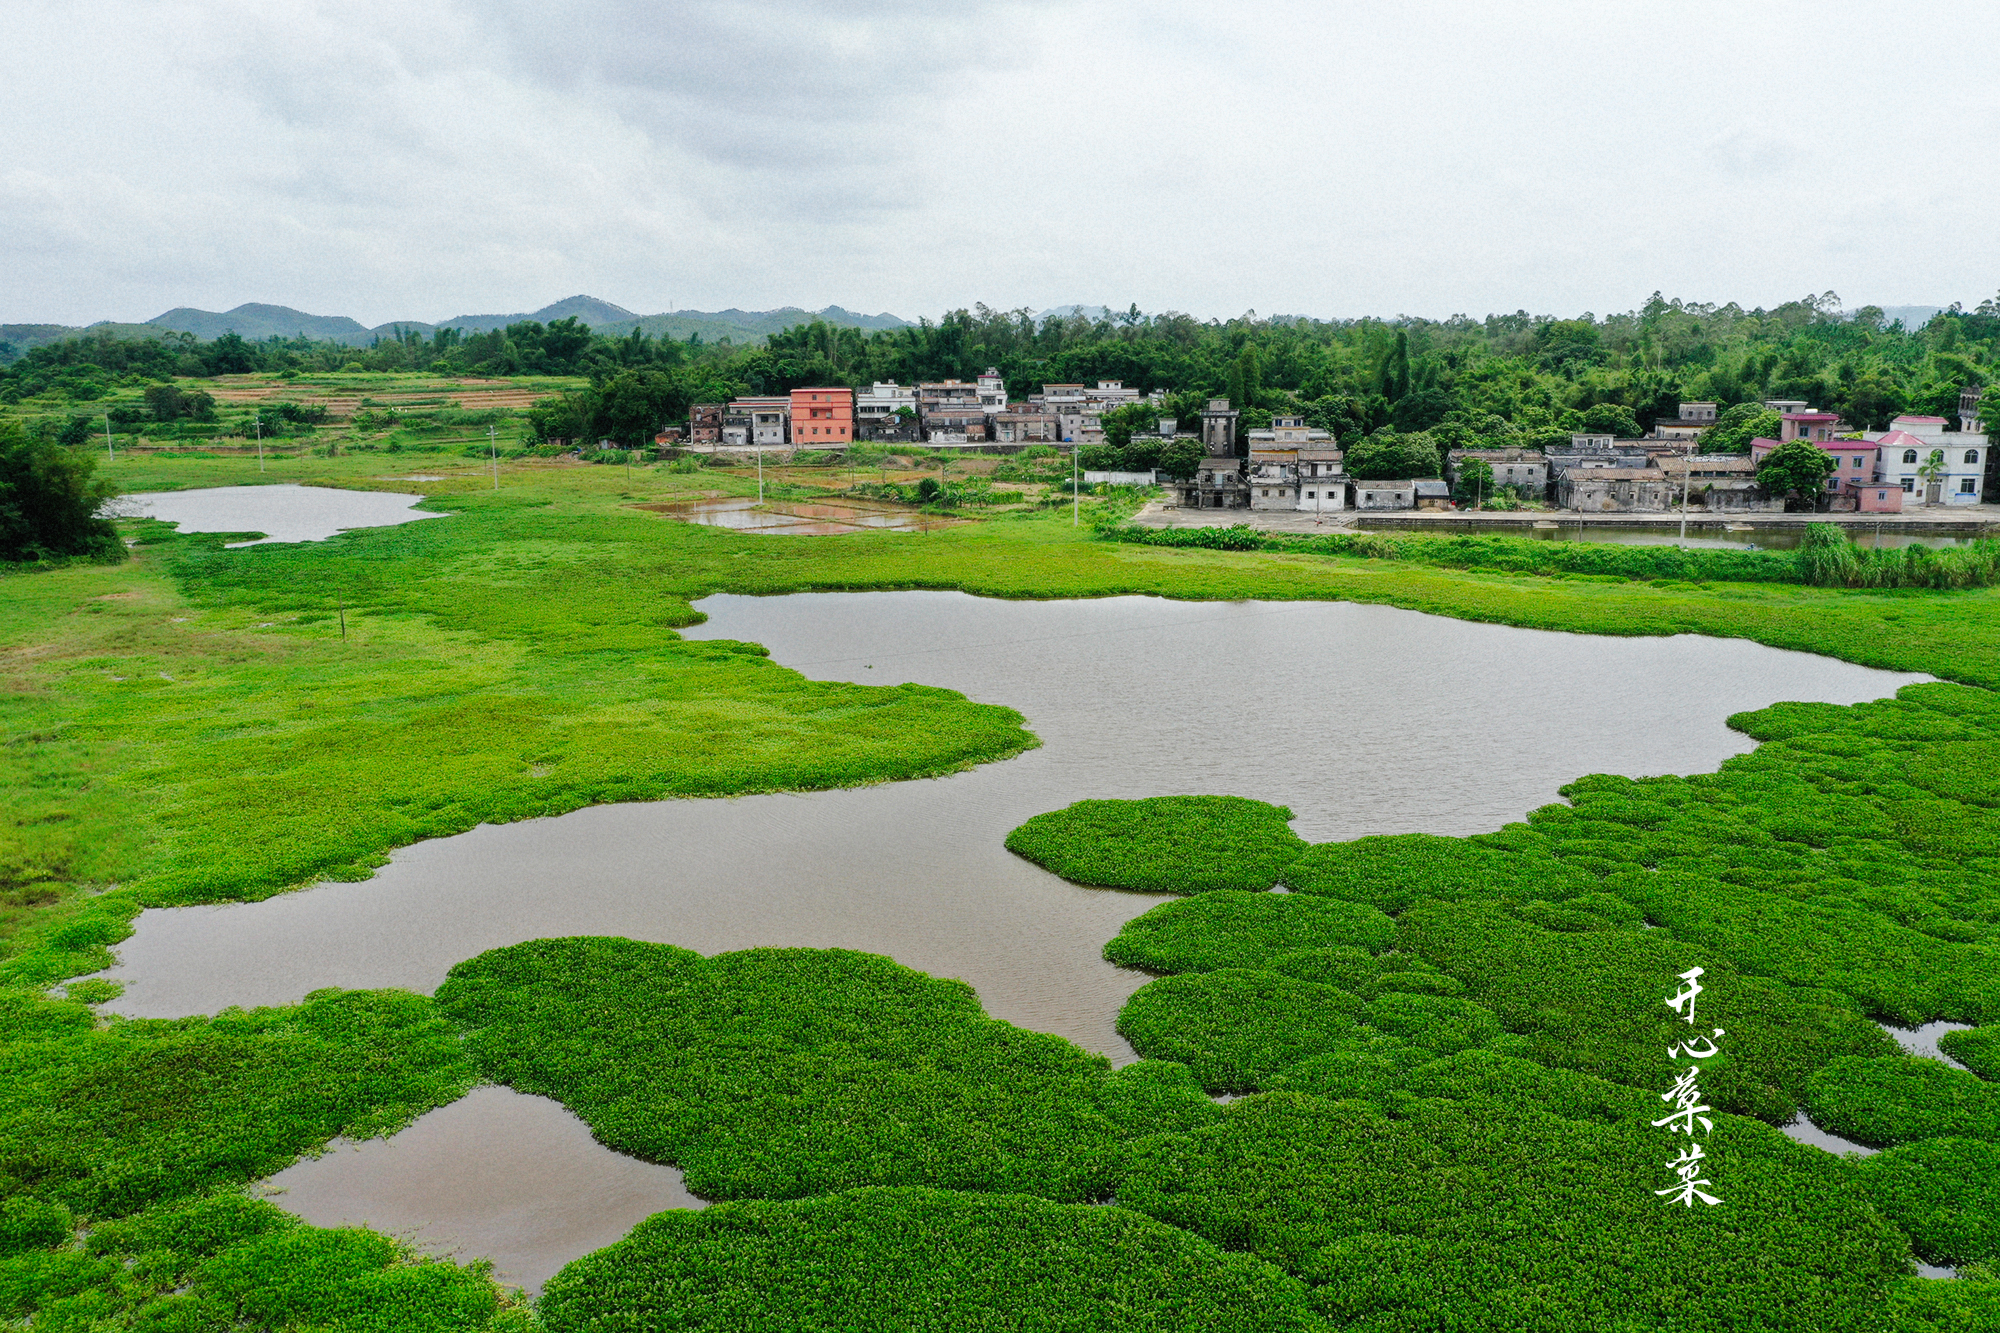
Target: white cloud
(389,160)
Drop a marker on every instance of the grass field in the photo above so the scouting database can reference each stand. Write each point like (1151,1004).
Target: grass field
(191,726)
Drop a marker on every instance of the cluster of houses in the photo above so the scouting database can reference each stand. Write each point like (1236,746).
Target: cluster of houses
(948,412)
(1293,466)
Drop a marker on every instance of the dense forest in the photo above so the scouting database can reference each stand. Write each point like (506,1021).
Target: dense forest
(1509,379)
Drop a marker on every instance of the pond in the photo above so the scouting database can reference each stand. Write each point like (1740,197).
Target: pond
(1363,719)
(798,518)
(283,513)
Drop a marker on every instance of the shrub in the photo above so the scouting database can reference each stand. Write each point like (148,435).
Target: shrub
(1164,844)
(49,501)
(916,1258)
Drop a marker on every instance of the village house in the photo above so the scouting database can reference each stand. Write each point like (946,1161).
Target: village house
(705,423)
(1691,420)
(1432,493)
(735,428)
(1723,482)
(1905,452)
(955,425)
(1524,468)
(1275,475)
(822,417)
(1384,494)
(1969,422)
(1322,479)
(1020,424)
(1218,482)
(1854,460)
(1613,490)
(878,402)
(1810,425)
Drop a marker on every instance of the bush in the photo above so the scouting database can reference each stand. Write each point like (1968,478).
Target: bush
(915,1258)
(1164,844)
(49,501)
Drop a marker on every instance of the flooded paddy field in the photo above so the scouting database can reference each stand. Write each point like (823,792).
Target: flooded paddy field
(798,518)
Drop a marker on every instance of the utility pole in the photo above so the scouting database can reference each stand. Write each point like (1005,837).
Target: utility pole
(258,422)
(1074,503)
(493,444)
(107,438)
(760,472)
(1687,470)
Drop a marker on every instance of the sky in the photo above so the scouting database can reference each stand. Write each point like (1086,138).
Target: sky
(384,159)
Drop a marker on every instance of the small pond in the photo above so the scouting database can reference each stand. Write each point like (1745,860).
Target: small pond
(1363,719)
(283,513)
(798,518)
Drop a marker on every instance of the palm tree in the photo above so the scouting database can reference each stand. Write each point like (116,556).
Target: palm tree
(1932,473)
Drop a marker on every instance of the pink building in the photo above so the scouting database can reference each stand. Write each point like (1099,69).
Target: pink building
(1880,499)
(1818,427)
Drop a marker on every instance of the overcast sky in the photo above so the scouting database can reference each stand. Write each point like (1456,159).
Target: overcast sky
(418,159)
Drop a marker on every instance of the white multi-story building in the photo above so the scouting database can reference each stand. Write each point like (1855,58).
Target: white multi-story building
(882,399)
(1903,455)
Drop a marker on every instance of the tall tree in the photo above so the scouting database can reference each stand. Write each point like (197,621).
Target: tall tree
(50,500)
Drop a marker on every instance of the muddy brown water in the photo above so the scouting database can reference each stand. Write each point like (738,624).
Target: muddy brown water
(1363,719)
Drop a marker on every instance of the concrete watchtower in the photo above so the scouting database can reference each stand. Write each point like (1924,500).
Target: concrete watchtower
(1218,429)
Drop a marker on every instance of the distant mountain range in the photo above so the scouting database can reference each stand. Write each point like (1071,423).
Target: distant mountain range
(256,321)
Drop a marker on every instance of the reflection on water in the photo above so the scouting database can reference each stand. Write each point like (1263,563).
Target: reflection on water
(495,1175)
(1745,536)
(1363,719)
(1923,1041)
(1805,1131)
(282,513)
(798,518)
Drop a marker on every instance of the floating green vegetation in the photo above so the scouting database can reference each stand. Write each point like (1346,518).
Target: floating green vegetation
(917,1258)
(777,1073)
(1235,929)
(1496,1214)
(231,1262)
(107,1121)
(1901,1099)
(1978,1049)
(1945,1193)
(1164,844)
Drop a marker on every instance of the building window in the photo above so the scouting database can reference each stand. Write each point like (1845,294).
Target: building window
(1909,455)
(1968,485)
(1972,455)
(1857,460)
(1909,485)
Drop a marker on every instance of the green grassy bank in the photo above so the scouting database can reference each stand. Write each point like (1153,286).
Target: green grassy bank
(192,726)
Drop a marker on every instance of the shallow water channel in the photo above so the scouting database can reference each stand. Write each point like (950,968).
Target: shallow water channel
(1363,719)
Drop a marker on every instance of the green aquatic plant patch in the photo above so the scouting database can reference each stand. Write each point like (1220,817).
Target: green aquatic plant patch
(1391,872)
(1902,1099)
(1503,1216)
(917,1259)
(111,1120)
(227,1261)
(778,1073)
(1163,844)
(1978,1049)
(1943,1193)
(1237,929)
